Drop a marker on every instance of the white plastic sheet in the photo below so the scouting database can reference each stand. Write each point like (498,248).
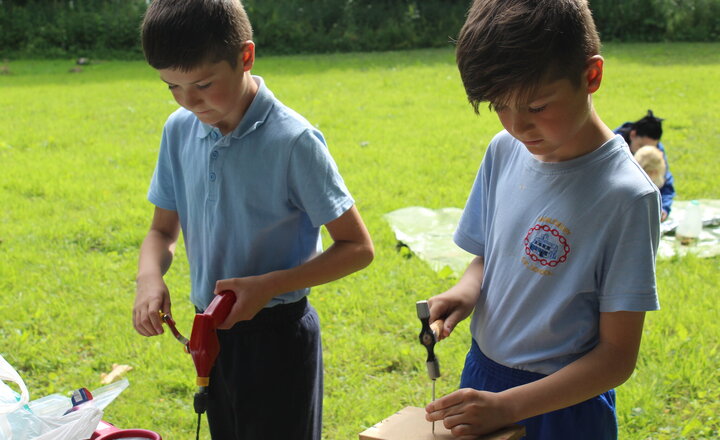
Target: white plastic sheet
(428,233)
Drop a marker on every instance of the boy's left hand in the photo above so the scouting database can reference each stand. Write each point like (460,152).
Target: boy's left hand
(250,298)
(469,413)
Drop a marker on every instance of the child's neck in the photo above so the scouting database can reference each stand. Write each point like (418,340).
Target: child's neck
(589,138)
(246,95)
(598,133)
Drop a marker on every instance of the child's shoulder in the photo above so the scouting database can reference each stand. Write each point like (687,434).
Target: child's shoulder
(503,147)
(284,126)
(503,137)
(275,120)
(621,174)
(287,120)
(180,119)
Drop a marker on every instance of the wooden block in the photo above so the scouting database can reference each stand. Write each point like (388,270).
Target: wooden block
(409,424)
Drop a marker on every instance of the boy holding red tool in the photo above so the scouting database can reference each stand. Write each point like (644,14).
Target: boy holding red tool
(249,182)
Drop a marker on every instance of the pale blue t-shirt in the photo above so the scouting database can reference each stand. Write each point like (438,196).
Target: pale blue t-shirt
(249,202)
(562,242)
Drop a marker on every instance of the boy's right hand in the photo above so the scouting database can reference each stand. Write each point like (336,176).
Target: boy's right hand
(458,302)
(452,307)
(152,296)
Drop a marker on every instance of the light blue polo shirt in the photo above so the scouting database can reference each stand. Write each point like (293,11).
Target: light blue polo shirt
(252,201)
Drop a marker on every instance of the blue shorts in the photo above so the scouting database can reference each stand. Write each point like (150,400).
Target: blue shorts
(593,419)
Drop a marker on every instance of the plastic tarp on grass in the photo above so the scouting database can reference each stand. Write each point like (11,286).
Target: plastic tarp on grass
(428,233)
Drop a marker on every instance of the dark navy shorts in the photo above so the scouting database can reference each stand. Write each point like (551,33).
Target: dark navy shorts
(593,419)
(267,382)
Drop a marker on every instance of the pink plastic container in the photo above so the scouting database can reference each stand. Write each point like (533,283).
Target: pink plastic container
(107,431)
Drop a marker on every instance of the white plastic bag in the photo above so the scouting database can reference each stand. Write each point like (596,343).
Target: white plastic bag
(45,418)
(79,424)
(10,401)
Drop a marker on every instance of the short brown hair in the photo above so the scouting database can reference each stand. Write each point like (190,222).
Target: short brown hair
(508,47)
(184,34)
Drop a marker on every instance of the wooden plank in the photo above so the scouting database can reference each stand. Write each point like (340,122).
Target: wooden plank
(409,424)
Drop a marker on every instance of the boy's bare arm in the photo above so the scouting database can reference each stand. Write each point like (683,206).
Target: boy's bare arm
(606,366)
(609,364)
(156,254)
(352,250)
(458,302)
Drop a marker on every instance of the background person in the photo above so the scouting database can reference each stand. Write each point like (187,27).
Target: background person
(652,161)
(648,131)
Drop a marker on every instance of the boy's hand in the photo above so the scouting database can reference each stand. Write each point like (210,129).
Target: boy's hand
(468,413)
(151,296)
(251,296)
(451,307)
(458,302)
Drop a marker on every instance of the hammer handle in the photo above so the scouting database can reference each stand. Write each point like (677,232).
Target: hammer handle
(437,328)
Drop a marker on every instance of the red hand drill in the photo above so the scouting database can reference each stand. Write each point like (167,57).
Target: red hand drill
(203,345)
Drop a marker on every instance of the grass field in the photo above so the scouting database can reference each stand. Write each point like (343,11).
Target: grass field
(77,151)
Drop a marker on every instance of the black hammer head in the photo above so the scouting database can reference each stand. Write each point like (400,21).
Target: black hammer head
(428,339)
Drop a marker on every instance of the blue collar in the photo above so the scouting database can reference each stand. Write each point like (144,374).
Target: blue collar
(254,117)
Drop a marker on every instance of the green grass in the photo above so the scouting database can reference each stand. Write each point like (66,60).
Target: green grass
(77,151)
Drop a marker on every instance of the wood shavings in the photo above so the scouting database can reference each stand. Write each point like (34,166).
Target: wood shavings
(117,371)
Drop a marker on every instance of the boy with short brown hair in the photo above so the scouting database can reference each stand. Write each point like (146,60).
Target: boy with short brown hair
(564,225)
(249,182)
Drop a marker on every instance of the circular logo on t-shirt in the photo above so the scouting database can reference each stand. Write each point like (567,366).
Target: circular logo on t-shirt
(546,245)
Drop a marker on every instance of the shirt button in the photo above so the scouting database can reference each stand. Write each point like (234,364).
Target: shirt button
(212,177)
(214,154)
